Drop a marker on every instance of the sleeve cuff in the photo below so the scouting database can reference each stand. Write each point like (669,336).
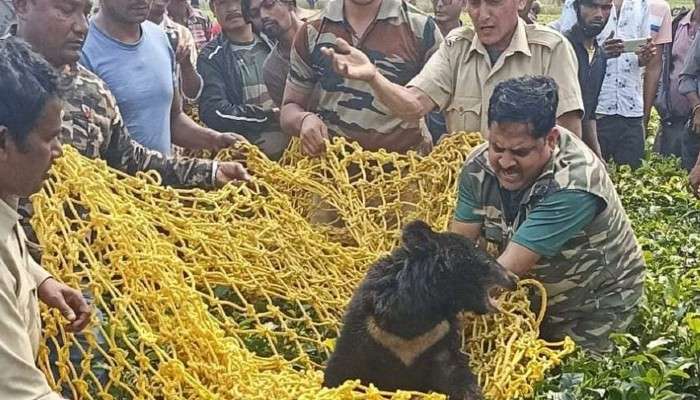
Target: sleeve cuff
(569,104)
(427,86)
(474,220)
(38,273)
(543,252)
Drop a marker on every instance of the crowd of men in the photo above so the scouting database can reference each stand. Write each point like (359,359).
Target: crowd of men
(115,80)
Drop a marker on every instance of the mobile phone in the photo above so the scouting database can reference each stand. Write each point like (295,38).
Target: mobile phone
(632,45)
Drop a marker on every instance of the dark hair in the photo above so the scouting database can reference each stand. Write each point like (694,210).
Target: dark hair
(579,3)
(27,83)
(245,8)
(532,100)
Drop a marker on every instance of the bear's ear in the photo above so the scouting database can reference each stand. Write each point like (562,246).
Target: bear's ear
(418,236)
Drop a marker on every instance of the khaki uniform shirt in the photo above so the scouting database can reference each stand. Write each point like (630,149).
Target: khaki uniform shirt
(20,324)
(460,78)
(93,125)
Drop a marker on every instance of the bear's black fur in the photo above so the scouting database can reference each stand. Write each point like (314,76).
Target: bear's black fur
(400,329)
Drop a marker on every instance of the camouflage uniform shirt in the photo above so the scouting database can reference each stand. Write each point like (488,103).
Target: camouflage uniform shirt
(399,42)
(595,281)
(180,35)
(93,125)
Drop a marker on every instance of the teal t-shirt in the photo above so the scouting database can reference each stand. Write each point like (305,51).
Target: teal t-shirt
(549,225)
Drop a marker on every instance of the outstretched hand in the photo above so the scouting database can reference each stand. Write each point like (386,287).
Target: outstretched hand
(350,62)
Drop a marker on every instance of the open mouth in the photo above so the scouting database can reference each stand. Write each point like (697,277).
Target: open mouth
(492,305)
(507,281)
(509,177)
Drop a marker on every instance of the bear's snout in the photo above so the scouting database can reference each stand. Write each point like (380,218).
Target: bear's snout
(503,278)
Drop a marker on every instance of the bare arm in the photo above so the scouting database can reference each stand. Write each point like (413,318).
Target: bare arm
(515,258)
(190,80)
(186,57)
(590,136)
(694,176)
(186,133)
(694,100)
(409,104)
(651,83)
(296,120)
(572,121)
(469,230)
(518,259)
(295,104)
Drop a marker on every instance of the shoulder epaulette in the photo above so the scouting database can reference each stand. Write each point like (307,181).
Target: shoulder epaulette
(463,33)
(543,35)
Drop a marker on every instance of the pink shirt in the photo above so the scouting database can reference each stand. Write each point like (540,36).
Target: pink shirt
(661,21)
(685,33)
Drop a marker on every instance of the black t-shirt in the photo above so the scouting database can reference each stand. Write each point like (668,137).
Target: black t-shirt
(590,72)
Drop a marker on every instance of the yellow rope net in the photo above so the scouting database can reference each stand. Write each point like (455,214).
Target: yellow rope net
(235,293)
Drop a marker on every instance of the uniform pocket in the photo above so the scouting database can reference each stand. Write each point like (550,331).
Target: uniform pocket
(464,114)
(85,133)
(494,233)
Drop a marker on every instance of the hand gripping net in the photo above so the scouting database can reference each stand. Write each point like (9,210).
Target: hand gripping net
(235,294)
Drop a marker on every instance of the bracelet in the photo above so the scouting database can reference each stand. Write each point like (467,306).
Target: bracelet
(695,109)
(214,170)
(303,118)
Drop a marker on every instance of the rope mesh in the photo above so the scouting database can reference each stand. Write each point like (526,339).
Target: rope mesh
(238,293)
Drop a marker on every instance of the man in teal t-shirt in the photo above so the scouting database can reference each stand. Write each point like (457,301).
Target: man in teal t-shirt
(543,198)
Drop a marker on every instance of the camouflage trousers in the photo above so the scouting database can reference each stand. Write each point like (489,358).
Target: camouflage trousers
(588,325)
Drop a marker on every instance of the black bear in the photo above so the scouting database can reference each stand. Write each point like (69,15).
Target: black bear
(401,330)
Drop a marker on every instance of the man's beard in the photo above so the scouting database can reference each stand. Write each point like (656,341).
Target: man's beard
(592,30)
(273,31)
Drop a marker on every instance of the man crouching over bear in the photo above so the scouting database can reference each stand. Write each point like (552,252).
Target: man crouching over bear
(401,330)
(539,195)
